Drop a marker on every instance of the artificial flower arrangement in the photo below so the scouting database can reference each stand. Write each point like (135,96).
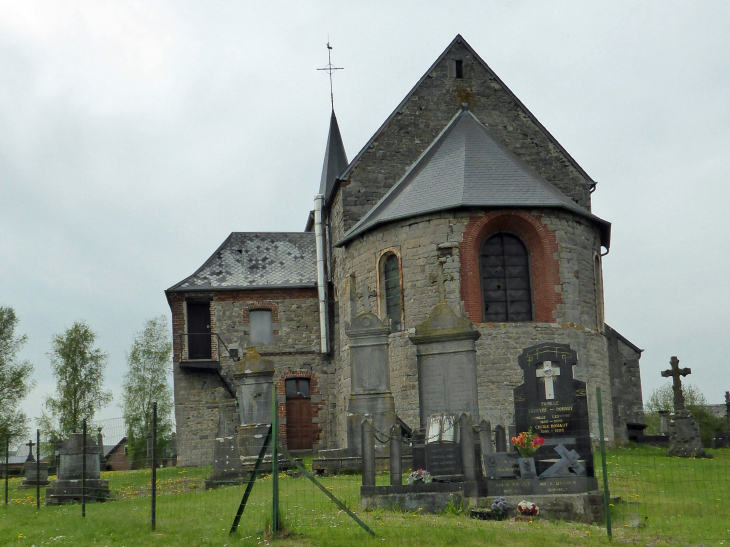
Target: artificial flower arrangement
(527,443)
(500,508)
(528,509)
(419,476)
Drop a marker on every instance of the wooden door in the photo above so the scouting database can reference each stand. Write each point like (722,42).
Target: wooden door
(199,330)
(299,433)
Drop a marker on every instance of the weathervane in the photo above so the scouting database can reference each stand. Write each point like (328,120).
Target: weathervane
(329,69)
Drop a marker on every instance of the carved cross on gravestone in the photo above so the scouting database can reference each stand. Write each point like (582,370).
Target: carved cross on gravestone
(366,294)
(569,459)
(675,372)
(440,279)
(548,374)
(30,444)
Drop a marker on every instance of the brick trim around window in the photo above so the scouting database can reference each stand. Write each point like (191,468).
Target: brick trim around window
(542,247)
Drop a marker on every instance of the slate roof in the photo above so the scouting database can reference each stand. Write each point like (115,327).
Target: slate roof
(465,166)
(253,260)
(335,158)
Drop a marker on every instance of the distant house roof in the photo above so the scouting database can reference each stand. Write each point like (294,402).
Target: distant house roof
(255,260)
(465,166)
(109,448)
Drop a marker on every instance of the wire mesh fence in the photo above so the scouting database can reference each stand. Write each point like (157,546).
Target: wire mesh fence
(652,498)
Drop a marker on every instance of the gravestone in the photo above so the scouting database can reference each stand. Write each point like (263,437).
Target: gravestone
(684,433)
(568,465)
(664,422)
(370,395)
(443,450)
(500,439)
(68,486)
(553,403)
(446,359)
(254,380)
(36,473)
(227,468)
(722,440)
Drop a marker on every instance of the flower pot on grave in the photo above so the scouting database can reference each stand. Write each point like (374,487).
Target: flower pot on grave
(527,468)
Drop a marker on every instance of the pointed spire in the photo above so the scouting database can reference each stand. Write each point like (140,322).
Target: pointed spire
(335,159)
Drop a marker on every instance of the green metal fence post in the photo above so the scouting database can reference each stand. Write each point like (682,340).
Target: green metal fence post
(606,494)
(274,461)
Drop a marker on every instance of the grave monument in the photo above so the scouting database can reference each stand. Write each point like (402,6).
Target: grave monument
(684,433)
(68,486)
(36,472)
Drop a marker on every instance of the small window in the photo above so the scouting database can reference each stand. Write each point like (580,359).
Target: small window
(391,290)
(297,387)
(261,327)
(459,69)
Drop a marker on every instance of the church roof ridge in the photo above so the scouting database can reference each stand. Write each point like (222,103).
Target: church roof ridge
(466,166)
(457,39)
(255,260)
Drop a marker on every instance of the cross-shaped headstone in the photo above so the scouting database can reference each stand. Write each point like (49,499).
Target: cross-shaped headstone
(366,294)
(548,373)
(30,444)
(569,459)
(675,372)
(440,279)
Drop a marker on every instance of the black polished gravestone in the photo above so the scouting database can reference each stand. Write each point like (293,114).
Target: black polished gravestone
(553,404)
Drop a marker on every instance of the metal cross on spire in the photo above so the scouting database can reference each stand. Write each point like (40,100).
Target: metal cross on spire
(329,69)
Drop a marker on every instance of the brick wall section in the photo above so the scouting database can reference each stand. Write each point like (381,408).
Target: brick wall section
(544,266)
(432,105)
(318,403)
(568,243)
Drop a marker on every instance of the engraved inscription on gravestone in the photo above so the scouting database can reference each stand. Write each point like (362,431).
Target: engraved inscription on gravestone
(553,403)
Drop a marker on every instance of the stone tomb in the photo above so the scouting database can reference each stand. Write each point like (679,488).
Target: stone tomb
(553,404)
(684,433)
(36,472)
(68,486)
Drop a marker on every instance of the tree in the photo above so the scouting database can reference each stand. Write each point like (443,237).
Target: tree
(15,380)
(149,363)
(78,368)
(663,399)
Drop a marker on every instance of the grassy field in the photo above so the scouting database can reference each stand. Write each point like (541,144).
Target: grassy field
(660,501)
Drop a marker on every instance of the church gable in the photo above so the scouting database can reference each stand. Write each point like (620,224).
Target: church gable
(458,76)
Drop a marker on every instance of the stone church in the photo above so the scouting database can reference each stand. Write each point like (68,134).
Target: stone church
(461,181)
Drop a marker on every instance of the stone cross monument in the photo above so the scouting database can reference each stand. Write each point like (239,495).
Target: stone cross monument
(675,372)
(684,433)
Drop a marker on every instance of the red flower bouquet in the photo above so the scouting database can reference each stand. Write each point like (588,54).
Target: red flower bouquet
(527,443)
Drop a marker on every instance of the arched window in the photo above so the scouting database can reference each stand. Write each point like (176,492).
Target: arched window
(506,287)
(391,293)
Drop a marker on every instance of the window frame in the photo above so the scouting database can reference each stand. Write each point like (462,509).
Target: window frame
(531,288)
(251,340)
(382,297)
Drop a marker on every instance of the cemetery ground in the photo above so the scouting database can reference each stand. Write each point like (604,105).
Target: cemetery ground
(655,500)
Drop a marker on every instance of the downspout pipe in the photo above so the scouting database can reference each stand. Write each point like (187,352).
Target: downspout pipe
(321,278)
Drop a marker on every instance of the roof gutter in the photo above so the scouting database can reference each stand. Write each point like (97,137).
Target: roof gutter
(321,279)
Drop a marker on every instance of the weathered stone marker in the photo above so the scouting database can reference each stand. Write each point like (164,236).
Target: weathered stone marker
(368,453)
(569,460)
(67,487)
(664,422)
(396,451)
(36,473)
(500,441)
(684,433)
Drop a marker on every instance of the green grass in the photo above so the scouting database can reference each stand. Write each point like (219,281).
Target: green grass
(649,485)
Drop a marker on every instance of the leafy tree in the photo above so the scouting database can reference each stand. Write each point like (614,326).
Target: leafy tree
(145,382)
(663,399)
(15,380)
(78,368)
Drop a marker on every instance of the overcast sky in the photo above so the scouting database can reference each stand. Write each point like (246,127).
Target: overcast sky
(135,136)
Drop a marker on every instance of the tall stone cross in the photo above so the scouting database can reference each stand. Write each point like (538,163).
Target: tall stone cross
(366,294)
(675,372)
(548,373)
(440,279)
(30,444)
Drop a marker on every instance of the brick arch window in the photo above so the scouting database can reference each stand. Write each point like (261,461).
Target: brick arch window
(504,265)
(390,289)
(544,266)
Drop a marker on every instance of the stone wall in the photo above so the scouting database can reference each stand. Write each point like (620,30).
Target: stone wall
(422,117)
(294,350)
(628,403)
(424,241)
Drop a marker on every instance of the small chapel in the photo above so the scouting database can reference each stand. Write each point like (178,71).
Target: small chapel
(463,211)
